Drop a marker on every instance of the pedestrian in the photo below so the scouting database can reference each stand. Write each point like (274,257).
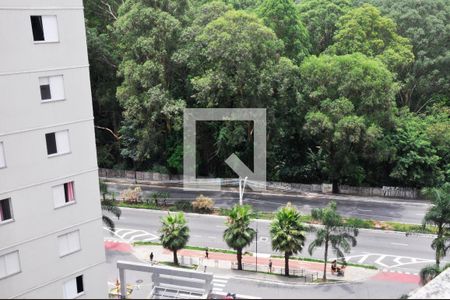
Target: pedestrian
(151,258)
(207,253)
(270,266)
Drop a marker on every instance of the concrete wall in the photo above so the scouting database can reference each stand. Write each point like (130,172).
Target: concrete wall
(30,173)
(393,192)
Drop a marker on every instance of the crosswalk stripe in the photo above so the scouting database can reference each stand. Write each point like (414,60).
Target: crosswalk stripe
(220,281)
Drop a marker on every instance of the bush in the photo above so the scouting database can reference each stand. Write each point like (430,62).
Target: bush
(203,205)
(131,195)
(359,223)
(184,205)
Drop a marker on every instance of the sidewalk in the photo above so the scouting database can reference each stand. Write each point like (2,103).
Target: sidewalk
(220,263)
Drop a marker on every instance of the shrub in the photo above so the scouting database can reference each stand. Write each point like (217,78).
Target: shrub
(184,205)
(131,195)
(203,205)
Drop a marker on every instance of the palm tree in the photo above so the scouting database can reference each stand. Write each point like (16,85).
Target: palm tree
(174,233)
(439,216)
(287,233)
(239,235)
(108,207)
(334,233)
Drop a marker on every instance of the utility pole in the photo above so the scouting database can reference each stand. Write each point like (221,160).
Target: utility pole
(241,190)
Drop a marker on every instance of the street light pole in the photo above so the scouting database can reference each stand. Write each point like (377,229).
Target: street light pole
(241,190)
(256,246)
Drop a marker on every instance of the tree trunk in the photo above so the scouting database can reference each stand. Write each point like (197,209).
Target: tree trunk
(335,186)
(438,250)
(175,257)
(239,259)
(325,261)
(286,264)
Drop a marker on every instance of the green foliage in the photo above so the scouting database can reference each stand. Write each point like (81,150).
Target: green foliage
(151,109)
(426,24)
(335,233)
(282,16)
(174,233)
(351,102)
(439,216)
(239,234)
(287,233)
(332,119)
(321,18)
(420,157)
(109,207)
(364,30)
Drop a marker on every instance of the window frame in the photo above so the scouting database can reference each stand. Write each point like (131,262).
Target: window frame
(43,30)
(76,287)
(18,262)
(3,155)
(63,88)
(56,142)
(66,235)
(69,203)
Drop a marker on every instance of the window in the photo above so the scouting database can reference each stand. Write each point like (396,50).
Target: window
(5,210)
(9,264)
(45,28)
(57,142)
(69,243)
(2,156)
(52,88)
(73,288)
(63,194)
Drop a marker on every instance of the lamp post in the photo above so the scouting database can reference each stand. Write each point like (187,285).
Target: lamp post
(256,246)
(241,190)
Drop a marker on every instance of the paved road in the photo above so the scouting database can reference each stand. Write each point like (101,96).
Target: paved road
(407,211)
(389,251)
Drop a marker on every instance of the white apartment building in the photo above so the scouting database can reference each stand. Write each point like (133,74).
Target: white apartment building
(51,239)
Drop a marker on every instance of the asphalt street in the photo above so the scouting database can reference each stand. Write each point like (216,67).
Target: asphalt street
(380,209)
(390,251)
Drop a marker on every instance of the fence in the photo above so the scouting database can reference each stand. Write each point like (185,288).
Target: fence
(385,191)
(300,273)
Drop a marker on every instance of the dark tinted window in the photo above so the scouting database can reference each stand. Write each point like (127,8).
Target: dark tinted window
(51,143)
(5,210)
(80,287)
(45,92)
(38,28)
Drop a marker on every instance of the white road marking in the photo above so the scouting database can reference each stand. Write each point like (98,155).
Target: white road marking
(400,244)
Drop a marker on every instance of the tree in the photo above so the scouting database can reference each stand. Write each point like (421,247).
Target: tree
(416,160)
(333,233)
(108,207)
(364,30)
(282,16)
(320,18)
(239,234)
(439,215)
(174,233)
(287,233)
(350,101)
(425,24)
(148,33)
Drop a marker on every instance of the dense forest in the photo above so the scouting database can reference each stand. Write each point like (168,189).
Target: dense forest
(357,91)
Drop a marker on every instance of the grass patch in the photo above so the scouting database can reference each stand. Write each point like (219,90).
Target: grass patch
(215,250)
(370,267)
(171,264)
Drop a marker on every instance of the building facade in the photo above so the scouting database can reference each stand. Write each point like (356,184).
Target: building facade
(51,239)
